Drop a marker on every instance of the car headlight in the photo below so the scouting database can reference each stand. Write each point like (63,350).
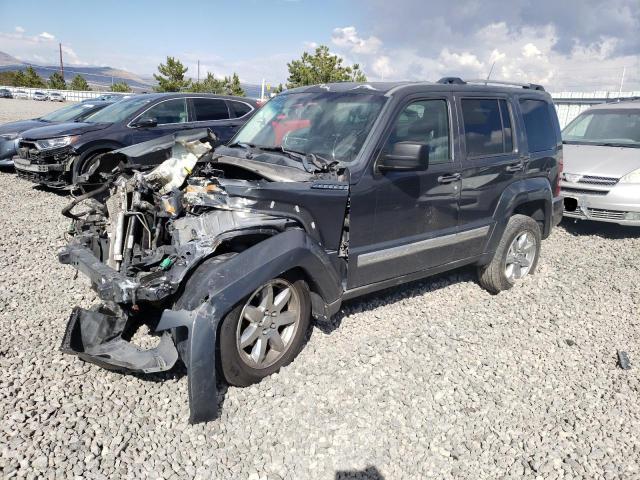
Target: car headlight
(49,143)
(631,177)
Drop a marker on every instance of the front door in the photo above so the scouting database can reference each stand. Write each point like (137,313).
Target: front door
(405,221)
(170,116)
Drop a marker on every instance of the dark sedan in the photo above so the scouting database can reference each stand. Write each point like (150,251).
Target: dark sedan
(11,132)
(57,156)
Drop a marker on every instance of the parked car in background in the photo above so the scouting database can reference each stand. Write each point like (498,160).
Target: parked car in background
(110,96)
(61,155)
(10,132)
(371,186)
(601,178)
(40,96)
(56,97)
(5,93)
(22,94)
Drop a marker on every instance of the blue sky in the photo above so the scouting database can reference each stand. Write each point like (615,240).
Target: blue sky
(573,44)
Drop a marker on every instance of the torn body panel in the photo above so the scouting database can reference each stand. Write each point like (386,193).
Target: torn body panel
(141,246)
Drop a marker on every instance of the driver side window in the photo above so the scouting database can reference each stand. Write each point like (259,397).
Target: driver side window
(426,122)
(171,111)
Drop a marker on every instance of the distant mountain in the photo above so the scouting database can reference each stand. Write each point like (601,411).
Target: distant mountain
(99,78)
(6,59)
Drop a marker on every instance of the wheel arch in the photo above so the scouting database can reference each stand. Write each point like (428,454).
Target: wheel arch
(532,197)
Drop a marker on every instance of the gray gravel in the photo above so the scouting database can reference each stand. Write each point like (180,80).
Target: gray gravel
(438,379)
(12,109)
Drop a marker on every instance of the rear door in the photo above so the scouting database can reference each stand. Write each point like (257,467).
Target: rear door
(491,161)
(171,116)
(213,113)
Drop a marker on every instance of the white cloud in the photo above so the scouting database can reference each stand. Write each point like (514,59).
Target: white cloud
(382,67)
(19,30)
(41,48)
(46,36)
(311,45)
(348,38)
(525,54)
(530,50)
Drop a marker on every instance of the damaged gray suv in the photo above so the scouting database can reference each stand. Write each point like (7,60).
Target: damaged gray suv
(329,192)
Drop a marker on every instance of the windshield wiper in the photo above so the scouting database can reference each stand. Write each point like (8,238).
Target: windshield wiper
(246,146)
(310,161)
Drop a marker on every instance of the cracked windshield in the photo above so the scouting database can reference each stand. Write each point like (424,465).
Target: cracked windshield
(332,126)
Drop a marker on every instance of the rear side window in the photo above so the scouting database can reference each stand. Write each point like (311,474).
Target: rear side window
(210,109)
(169,111)
(538,125)
(487,127)
(239,109)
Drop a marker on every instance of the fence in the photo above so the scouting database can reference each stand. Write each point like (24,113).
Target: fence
(69,95)
(570,104)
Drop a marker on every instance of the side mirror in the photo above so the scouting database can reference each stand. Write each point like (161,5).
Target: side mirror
(406,156)
(145,123)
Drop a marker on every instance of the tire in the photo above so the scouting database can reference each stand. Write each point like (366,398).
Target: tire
(86,164)
(510,262)
(234,363)
(230,362)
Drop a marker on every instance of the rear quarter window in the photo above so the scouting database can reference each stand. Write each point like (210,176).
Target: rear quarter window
(240,109)
(487,126)
(538,125)
(207,109)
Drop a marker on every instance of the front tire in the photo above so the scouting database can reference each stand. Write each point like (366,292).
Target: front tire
(266,331)
(516,256)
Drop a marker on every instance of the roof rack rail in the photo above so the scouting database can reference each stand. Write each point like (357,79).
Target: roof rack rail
(530,86)
(459,81)
(452,81)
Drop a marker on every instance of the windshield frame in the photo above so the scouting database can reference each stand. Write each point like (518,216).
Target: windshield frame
(139,102)
(357,157)
(603,141)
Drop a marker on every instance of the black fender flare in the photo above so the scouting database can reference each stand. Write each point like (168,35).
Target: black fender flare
(516,194)
(228,283)
(87,151)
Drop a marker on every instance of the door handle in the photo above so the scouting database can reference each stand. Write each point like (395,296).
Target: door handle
(449,178)
(515,167)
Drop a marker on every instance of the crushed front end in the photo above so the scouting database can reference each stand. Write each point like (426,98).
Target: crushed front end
(141,236)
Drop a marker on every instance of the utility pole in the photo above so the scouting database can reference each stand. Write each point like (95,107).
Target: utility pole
(624,70)
(198,71)
(262,90)
(61,65)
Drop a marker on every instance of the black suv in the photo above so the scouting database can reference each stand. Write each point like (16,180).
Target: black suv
(58,156)
(329,192)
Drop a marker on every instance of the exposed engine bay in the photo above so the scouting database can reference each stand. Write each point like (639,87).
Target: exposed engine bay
(142,234)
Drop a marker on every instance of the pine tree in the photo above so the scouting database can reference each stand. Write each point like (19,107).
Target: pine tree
(171,76)
(56,81)
(79,83)
(322,67)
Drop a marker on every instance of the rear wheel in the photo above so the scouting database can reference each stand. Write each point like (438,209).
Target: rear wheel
(516,256)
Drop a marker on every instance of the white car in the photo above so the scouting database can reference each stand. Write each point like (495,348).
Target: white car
(21,94)
(56,97)
(601,179)
(40,96)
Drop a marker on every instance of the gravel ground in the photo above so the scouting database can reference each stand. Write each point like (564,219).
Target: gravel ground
(12,109)
(436,379)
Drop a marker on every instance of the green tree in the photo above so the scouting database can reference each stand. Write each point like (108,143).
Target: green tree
(209,85)
(32,79)
(278,89)
(322,67)
(171,76)
(9,78)
(232,86)
(79,83)
(120,87)
(56,81)
(20,79)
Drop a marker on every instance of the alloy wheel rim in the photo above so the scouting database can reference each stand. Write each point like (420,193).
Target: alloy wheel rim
(268,323)
(520,256)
